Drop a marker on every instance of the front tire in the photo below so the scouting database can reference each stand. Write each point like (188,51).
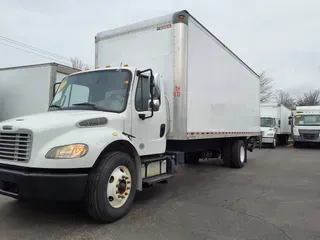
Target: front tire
(111,187)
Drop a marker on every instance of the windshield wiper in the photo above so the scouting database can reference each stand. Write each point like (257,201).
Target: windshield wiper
(55,106)
(95,107)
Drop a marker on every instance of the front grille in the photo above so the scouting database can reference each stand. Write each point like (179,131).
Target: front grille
(310,136)
(15,146)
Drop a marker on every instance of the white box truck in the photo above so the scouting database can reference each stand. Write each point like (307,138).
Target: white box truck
(29,89)
(113,129)
(275,128)
(306,125)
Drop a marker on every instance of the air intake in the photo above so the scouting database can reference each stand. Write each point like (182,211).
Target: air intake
(93,122)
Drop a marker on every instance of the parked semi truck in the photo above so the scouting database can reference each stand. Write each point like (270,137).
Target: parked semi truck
(29,89)
(275,128)
(109,131)
(306,125)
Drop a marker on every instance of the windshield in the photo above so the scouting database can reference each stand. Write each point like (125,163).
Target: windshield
(100,90)
(307,120)
(266,122)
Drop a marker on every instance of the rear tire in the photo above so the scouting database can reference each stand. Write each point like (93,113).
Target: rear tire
(111,187)
(239,154)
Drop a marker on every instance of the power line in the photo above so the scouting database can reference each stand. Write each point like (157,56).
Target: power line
(33,48)
(65,62)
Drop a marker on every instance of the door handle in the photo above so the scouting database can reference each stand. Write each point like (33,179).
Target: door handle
(162,129)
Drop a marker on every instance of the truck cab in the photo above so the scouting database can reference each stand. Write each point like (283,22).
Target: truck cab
(269,128)
(103,126)
(305,125)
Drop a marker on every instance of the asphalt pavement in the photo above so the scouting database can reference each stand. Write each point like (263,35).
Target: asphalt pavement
(275,196)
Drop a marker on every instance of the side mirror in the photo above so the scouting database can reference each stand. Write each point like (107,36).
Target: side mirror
(155,105)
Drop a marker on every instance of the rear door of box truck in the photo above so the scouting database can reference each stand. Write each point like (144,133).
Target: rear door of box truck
(24,90)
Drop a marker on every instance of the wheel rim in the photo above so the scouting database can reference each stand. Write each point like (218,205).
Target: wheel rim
(242,154)
(119,186)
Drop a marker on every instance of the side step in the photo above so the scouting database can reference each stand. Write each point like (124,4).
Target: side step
(157,178)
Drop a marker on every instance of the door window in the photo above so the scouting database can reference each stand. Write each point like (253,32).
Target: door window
(143,94)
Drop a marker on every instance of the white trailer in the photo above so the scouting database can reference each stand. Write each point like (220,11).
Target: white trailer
(122,126)
(29,89)
(306,125)
(275,128)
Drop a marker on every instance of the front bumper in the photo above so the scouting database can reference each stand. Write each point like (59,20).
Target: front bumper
(302,140)
(267,139)
(42,184)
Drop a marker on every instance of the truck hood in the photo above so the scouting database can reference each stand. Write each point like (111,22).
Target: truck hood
(266,129)
(57,119)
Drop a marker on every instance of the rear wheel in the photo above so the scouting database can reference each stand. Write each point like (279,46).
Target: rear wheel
(234,153)
(239,154)
(111,187)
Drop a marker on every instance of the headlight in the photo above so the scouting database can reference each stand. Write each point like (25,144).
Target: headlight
(68,151)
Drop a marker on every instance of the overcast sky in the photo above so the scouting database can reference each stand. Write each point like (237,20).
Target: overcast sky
(279,36)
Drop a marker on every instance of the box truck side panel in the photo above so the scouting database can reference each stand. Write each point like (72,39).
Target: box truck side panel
(150,47)
(270,111)
(223,94)
(25,90)
(285,114)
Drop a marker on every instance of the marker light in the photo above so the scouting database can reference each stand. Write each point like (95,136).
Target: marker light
(107,66)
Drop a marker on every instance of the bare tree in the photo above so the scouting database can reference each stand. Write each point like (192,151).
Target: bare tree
(266,87)
(285,99)
(77,63)
(310,98)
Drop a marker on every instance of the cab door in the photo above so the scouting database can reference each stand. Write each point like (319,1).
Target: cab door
(150,133)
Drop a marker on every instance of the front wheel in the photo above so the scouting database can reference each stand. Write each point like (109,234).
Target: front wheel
(111,187)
